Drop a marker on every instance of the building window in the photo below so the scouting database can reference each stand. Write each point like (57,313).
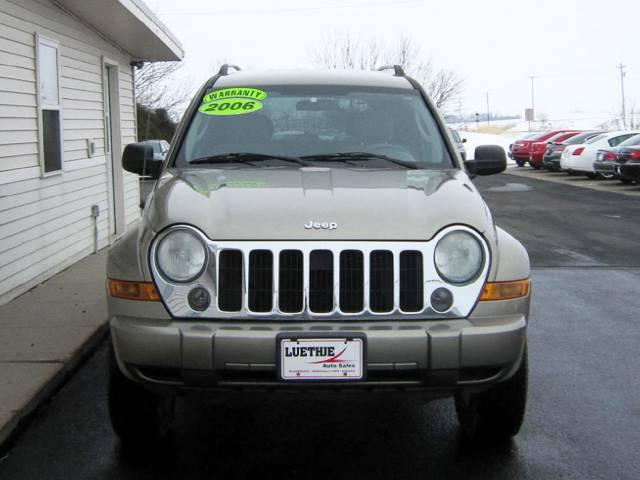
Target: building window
(48,64)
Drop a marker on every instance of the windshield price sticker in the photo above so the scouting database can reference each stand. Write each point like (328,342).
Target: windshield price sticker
(321,359)
(232,101)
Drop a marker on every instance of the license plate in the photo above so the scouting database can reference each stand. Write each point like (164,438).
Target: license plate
(320,358)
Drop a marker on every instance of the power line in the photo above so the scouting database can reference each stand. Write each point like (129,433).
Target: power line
(293,9)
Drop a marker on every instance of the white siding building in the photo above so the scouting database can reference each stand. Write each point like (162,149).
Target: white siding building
(66,111)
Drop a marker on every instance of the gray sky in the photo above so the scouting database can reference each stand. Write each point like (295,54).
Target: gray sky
(572,46)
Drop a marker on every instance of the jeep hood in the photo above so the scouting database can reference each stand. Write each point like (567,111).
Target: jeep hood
(276,203)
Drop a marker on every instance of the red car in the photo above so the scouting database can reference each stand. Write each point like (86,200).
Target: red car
(521,148)
(538,148)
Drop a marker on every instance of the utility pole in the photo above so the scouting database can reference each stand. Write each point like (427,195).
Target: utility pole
(624,113)
(488,110)
(533,103)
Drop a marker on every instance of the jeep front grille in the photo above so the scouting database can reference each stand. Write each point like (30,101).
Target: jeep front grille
(304,280)
(328,281)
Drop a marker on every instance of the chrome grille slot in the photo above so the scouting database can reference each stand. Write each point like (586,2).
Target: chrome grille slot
(291,281)
(230,281)
(321,281)
(261,281)
(351,281)
(381,281)
(411,281)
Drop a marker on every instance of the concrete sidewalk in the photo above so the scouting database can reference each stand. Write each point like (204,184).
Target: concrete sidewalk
(45,334)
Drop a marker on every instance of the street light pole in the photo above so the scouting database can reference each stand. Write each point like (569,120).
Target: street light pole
(488,110)
(533,105)
(624,113)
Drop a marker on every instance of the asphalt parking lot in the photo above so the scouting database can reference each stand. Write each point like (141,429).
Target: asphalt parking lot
(583,414)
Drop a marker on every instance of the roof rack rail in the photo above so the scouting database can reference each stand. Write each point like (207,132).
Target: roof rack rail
(397,69)
(224,69)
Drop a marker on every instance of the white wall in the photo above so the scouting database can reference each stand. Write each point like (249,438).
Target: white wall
(45,222)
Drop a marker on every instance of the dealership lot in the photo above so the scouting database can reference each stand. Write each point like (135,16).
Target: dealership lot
(582,419)
(582,181)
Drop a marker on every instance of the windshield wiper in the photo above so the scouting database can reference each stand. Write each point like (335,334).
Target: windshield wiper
(358,156)
(245,158)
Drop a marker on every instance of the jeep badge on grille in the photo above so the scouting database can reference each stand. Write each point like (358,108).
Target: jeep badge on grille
(320,225)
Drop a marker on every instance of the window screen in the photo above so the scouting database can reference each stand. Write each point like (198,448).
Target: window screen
(48,64)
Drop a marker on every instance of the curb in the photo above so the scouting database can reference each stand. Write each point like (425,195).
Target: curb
(23,417)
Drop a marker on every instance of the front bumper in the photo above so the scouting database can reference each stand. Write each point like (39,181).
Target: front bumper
(604,167)
(551,160)
(629,170)
(442,356)
(536,158)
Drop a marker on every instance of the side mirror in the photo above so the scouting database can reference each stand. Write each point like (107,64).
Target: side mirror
(489,159)
(138,158)
(464,140)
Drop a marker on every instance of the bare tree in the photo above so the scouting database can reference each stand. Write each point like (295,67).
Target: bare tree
(341,50)
(158,86)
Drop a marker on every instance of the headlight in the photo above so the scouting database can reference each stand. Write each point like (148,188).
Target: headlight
(459,257)
(181,256)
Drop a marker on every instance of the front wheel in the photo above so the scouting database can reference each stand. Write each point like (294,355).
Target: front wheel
(138,416)
(496,414)
(520,163)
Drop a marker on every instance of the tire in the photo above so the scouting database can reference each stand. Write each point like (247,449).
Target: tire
(520,163)
(535,166)
(496,414)
(139,417)
(626,181)
(591,176)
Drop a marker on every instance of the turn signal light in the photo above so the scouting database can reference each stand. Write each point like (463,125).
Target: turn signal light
(129,290)
(505,290)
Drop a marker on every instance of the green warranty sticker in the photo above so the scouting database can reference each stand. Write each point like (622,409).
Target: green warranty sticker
(232,101)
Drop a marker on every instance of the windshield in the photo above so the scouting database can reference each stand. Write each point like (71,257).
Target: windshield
(580,138)
(635,140)
(538,136)
(596,138)
(556,137)
(316,121)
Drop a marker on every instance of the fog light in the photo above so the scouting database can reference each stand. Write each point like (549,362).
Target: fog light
(441,299)
(199,299)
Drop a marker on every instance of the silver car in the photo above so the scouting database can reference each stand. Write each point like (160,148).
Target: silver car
(316,232)
(459,142)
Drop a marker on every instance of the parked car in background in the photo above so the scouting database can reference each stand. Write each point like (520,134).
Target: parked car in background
(580,158)
(160,148)
(551,158)
(526,137)
(522,148)
(459,142)
(627,167)
(538,149)
(608,158)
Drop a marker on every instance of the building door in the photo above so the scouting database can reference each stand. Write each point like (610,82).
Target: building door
(113,149)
